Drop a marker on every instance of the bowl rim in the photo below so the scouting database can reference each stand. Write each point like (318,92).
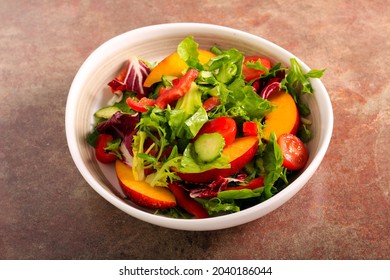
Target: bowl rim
(212,223)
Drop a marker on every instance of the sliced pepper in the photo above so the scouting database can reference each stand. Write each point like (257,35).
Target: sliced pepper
(252,185)
(140,106)
(249,129)
(180,87)
(101,154)
(211,102)
(189,204)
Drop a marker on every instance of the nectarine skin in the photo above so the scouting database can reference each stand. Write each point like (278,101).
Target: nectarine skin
(240,152)
(141,192)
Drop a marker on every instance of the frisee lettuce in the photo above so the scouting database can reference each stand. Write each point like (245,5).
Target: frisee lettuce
(138,162)
(215,206)
(113,147)
(296,82)
(273,165)
(164,173)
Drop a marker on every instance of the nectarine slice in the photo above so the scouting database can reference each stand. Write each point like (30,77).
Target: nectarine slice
(285,117)
(240,152)
(141,192)
(173,65)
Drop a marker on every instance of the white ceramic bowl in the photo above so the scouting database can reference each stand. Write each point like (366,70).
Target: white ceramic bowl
(154,43)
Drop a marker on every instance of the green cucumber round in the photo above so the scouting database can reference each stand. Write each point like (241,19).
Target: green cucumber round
(209,146)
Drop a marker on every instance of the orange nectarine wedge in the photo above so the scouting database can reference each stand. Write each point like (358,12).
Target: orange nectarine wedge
(285,117)
(173,65)
(240,152)
(141,192)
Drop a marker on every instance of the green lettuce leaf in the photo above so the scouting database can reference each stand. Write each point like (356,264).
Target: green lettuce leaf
(191,101)
(186,119)
(188,51)
(194,123)
(244,102)
(230,195)
(189,163)
(226,66)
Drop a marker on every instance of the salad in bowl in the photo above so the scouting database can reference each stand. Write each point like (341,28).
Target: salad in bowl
(204,133)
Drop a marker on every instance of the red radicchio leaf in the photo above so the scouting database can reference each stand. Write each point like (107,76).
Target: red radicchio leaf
(211,190)
(269,88)
(126,149)
(136,74)
(116,85)
(119,125)
(132,77)
(265,88)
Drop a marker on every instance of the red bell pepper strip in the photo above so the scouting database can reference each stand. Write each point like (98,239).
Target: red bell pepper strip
(211,102)
(189,204)
(101,154)
(253,184)
(250,129)
(180,87)
(140,106)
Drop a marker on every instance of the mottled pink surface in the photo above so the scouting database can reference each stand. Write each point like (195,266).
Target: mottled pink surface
(48,211)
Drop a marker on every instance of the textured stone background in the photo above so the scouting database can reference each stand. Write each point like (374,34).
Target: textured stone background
(47,210)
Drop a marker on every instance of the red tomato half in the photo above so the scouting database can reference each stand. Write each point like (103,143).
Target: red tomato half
(251,73)
(100,152)
(223,125)
(295,154)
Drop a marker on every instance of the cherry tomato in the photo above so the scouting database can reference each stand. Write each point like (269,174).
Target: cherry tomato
(180,87)
(101,154)
(251,73)
(224,125)
(295,154)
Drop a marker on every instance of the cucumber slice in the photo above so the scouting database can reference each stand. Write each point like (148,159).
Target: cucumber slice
(208,147)
(106,112)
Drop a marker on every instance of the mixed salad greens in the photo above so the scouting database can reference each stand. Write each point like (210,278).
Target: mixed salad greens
(198,132)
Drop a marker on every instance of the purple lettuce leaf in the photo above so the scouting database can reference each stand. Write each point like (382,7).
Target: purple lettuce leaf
(119,125)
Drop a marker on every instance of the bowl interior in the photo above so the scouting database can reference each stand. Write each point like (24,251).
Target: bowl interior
(89,92)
